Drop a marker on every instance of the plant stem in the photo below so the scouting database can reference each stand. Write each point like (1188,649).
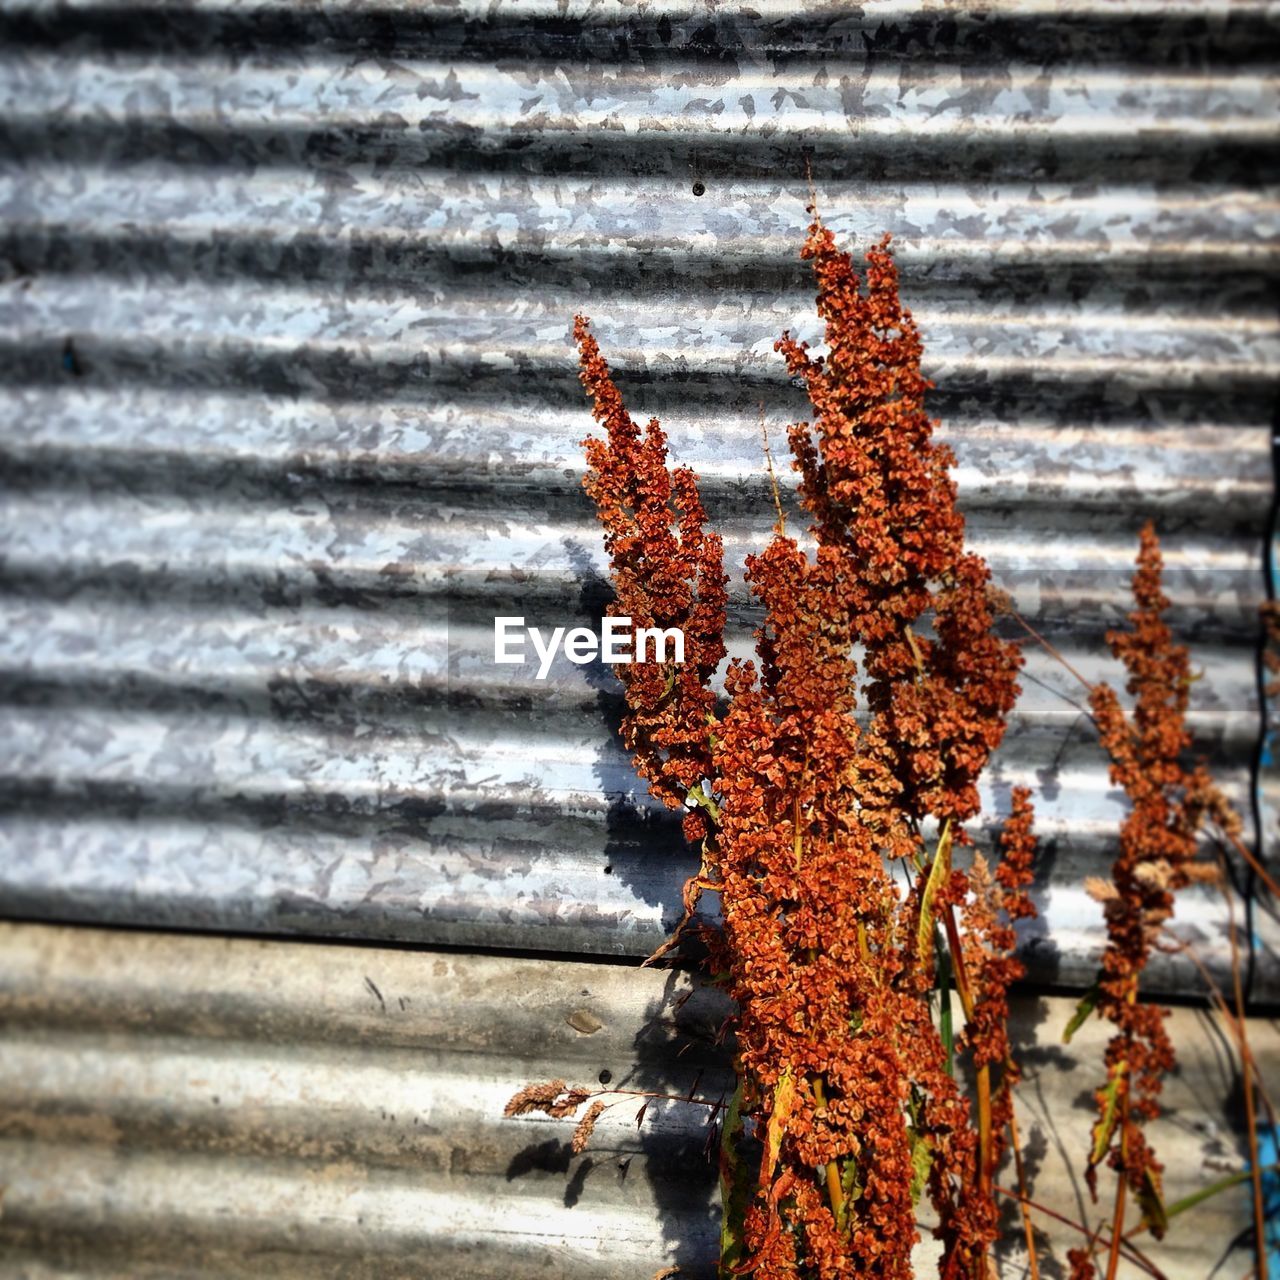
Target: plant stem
(797,840)
(781,527)
(1130,1251)
(965,992)
(958,969)
(1049,648)
(1246,1083)
(945,1025)
(1122,1174)
(984,1129)
(835,1191)
(1033,1261)
(1220,1004)
(1247,854)
(1117,1221)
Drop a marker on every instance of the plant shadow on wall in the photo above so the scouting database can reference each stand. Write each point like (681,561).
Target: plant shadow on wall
(662,1128)
(642,847)
(867,940)
(679,1052)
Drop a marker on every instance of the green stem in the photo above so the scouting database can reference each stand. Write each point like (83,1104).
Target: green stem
(1223,1184)
(946,1027)
(835,1188)
(704,802)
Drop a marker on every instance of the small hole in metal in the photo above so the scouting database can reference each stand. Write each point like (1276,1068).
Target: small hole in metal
(605,1076)
(699,189)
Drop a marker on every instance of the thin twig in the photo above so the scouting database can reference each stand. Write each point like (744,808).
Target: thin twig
(1131,1252)
(1050,649)
(773,479)
(1246,1081)
(1219,1002)
(813,193)
(625,1094)
(1033,1261)
(1247,854)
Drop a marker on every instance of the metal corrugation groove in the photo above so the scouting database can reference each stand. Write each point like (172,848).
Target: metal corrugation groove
(201,1106)
(291,415)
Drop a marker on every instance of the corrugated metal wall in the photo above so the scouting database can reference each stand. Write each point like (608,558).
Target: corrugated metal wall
(291,414)
(188,1106)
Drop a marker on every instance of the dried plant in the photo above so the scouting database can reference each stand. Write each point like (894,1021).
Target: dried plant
(1171,802)
(802,812)
(554,1098)
(826,795)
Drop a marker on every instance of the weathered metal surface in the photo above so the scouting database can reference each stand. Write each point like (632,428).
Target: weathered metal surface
(291,414)
(202,1106)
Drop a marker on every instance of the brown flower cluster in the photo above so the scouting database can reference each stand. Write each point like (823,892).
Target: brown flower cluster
(667,572)
(554,1098)
(1270,615)
(559,1101)
(1169,801)
(828,794)
(998,901)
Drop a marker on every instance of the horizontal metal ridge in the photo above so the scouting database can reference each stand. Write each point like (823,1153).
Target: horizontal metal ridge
(292,413)
(714,100)
(432,805)
(947,225)
(1206,16)
(243,1108)
(265,446)
(497,329)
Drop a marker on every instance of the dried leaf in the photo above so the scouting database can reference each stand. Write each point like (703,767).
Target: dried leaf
(784,1101)
(586,1125)
(1105,1127)
(534,1097)
(1088,1002)
(921,1163)
(1100,890)
(1151,1200)
(851,1186)
(938,873)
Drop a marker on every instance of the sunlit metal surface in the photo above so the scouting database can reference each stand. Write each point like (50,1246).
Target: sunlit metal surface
(291,414)
(186,1105)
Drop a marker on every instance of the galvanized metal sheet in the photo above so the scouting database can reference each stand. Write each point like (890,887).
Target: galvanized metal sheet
(292,414)
(200,1106)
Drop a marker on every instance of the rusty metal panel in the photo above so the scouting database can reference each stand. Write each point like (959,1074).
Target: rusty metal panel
(198,1106)
(290,414)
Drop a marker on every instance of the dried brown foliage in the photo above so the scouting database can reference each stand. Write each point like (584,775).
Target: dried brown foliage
(586,1127)
(1158,847)
(826,795)
(554,1098)
(1170,799)
(802,811)
(667,572)
(1270,613)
